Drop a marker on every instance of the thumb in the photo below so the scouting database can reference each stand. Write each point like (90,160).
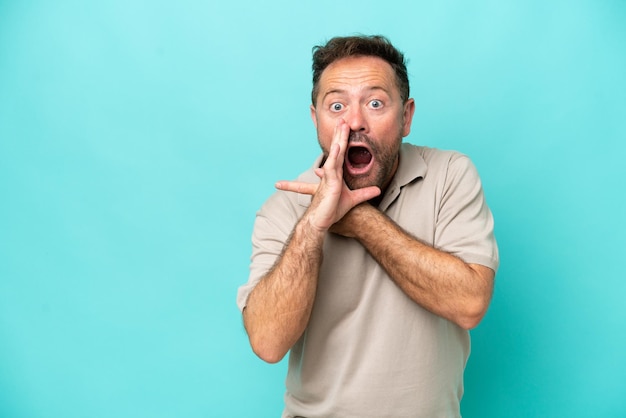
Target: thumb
(365,194)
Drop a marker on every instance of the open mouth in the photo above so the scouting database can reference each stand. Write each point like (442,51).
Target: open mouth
(358,159)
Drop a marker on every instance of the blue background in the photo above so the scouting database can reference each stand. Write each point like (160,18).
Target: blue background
(138,138)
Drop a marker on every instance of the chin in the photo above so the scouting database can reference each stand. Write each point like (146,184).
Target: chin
(354,183)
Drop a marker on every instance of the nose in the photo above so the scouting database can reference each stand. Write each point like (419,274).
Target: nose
(356,119)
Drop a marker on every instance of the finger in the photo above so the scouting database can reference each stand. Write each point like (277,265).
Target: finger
(297,187)
(337,147)
(364,194)
(342,140)
(341,134)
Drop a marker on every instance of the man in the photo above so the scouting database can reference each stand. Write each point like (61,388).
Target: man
(372,266)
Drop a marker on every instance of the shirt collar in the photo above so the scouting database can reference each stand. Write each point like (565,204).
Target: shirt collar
(411,167)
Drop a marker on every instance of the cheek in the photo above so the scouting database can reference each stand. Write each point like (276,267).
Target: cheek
(324,137)
(325,126)
(391,130)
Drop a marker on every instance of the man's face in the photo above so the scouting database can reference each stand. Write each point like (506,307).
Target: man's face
(363,92)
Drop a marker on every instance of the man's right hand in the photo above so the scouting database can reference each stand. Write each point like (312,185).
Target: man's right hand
(332,198)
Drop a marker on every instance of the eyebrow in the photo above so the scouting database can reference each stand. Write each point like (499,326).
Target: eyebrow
(342,91)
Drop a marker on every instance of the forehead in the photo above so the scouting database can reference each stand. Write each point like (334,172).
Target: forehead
(361,72)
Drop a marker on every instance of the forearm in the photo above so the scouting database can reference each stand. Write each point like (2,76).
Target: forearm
(438,281)
(279,307)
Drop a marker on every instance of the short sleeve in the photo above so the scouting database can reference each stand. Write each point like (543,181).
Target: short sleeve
(272,227)
(464,224)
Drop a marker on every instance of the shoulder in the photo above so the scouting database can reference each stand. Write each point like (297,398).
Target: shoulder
(435,157)
(282,209)
(437,162)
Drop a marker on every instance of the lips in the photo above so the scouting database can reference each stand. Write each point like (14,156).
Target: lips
(358,159)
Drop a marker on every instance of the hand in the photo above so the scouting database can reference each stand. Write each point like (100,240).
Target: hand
(332,198)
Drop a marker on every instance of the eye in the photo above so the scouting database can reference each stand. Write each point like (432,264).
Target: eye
(376,104)
(336,107)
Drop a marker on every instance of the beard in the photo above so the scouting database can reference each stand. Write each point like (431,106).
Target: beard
(385,158)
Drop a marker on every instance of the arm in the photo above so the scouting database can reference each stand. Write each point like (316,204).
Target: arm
(279,307)
(439,282)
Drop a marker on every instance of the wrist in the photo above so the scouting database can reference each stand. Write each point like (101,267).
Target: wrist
(365,221)
(308,228)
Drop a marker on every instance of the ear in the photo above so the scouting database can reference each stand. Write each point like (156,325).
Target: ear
(313,116)
(407,117)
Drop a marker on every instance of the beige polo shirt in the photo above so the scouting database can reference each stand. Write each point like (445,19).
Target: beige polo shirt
(368,350)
